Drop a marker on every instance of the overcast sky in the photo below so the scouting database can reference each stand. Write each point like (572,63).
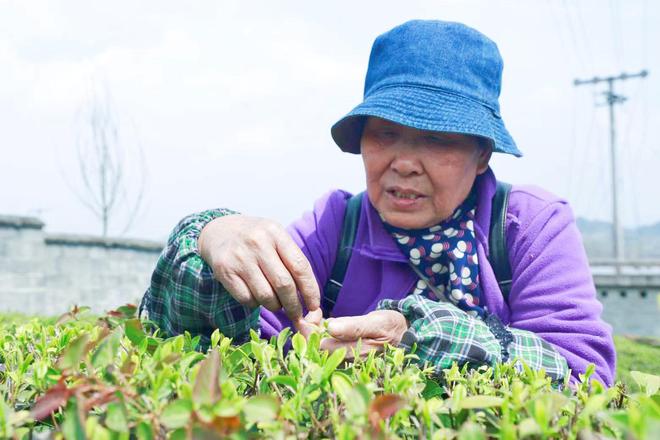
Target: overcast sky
(231,102)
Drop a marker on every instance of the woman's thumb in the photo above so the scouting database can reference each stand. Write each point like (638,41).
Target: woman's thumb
(347,328)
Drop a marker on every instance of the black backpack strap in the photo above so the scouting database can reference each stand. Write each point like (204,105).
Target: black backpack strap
(498,252)
(344,250)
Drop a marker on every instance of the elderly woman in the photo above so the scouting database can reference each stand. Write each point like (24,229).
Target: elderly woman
(422,256)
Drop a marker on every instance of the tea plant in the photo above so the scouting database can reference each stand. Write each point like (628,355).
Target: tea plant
(112,378)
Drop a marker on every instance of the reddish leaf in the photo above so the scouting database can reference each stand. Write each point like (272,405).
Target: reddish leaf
(206,390)
(125,311)
(50,402)
(383,407)
(225,426)
(100,398)
(64,318)
(128,366)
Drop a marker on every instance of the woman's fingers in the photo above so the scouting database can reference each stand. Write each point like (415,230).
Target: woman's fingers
(314,317)
(300,269)
(310,323)
(261,290)
(379,325)
(352,328)
(239,290)
(366,345)
(282,283)
(260,256)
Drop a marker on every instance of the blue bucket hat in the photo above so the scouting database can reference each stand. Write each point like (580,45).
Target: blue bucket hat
(432,75)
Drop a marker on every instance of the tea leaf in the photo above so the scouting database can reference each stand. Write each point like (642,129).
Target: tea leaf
(5,426)
(72,356)
(72,426)
(528,427)
(215,338)
(341,384)
(116,418)
(106,351)
(333,361)
(261,408)
(220,427)
(50,402)
(179,434)
(299,344)
(144,431)
(176,414)
(284,380)
(207,384)
(431,389)
(134,332)
(474,402)
(471,431)
(648,383)
(383,407)
(126,311)
(281,340)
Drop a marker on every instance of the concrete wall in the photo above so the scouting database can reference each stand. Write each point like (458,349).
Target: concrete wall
(632,311)
(46,274)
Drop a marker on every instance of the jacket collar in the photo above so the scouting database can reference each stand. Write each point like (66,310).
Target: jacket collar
(380,245)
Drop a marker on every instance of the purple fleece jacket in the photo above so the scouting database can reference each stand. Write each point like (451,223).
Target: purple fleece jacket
(552,294)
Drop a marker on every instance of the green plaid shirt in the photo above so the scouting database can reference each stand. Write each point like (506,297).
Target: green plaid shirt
(445,334)
(184,296)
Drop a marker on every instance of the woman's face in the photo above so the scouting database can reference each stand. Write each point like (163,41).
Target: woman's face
(417,178)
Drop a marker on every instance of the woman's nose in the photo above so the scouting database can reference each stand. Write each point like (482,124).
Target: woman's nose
(406,161)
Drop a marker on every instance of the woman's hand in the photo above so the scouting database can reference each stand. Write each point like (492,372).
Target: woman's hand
(375,329)
(258,263)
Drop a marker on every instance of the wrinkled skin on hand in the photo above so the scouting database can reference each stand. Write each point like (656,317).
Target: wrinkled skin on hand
(259,264)
(312,322)
(374,329)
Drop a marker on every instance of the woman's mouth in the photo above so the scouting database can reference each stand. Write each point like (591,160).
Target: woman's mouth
(404,199)
(404,195)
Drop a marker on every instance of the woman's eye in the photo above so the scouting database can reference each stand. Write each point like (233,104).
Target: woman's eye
(435,140)
(387,134)
(439,140)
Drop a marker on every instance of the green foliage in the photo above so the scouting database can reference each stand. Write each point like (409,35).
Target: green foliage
(640,354)
(109,378)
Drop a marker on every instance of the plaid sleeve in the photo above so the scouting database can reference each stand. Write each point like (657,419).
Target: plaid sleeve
(184,296)
(445,334)
(537,354)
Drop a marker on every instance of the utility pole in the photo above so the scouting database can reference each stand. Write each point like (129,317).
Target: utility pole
(612,99)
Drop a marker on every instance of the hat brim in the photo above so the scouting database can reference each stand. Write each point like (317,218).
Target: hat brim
(424,109)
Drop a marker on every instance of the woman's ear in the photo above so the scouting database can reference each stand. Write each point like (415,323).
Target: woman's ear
(485,151)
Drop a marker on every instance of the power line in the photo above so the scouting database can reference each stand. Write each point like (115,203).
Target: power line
(573,38)
(583,35)
(617,39)
(611,100)
(583,164)
(632,151)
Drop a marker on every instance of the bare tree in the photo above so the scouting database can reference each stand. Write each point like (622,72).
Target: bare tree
(102,160)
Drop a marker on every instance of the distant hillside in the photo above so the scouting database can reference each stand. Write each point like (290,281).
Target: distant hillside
(639,243)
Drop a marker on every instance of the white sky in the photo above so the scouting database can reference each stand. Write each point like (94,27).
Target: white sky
(232,101)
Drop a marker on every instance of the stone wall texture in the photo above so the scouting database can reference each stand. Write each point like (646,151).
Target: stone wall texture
(46,274)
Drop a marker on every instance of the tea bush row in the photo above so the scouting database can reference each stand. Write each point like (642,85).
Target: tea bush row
(109,378)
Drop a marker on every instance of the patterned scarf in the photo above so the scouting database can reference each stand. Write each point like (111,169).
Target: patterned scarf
(447,256)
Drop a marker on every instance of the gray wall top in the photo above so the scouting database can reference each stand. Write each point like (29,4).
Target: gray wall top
(105,242)
(15,221)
